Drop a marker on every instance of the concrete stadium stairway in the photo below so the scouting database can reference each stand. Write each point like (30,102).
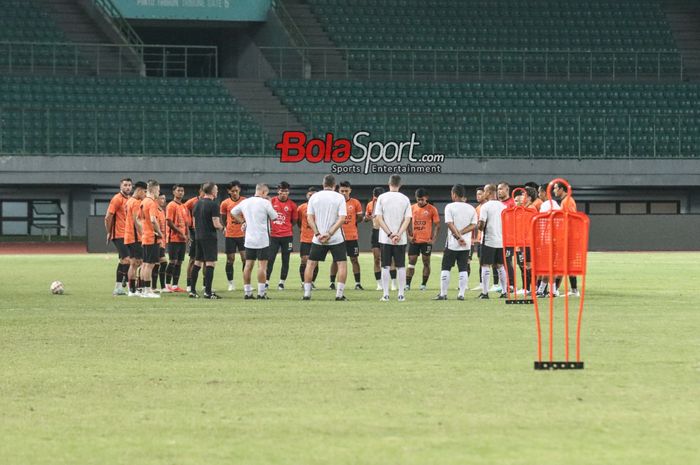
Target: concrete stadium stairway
(264,106)
(327,63)
(684,19)
(82,23)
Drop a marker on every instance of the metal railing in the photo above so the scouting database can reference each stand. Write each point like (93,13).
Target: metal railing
(59,58)
(444,64)
(114,16)
(137,131)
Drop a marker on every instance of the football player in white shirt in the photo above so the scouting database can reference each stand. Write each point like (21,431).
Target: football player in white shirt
(460,218)
(326,214)
(492,240)
(393,214)
(256,212)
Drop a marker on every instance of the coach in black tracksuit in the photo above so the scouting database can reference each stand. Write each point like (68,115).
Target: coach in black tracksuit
(207,223)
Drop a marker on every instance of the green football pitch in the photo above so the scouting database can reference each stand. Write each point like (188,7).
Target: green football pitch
(88,378)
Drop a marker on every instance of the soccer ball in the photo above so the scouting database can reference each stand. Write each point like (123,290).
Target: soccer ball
(57,287)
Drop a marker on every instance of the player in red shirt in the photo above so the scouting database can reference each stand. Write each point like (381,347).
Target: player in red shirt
(281,236)
(115,222)
(306,235)
(177,234)
(422,231)
(235,235)
(189,205)
(354,216)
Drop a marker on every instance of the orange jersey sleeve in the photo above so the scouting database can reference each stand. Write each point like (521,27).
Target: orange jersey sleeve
(189,206)
(233,229)
(536,204)
(477,234)
(423,220)
(117,207)
(353,207)
(568,204)
(307,234)
(131,234)
(148,208)
(370,208)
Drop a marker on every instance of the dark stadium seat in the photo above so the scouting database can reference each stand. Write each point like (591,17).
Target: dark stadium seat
(474,119)
(103,116)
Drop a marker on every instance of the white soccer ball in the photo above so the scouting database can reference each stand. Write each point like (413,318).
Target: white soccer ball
(57,287)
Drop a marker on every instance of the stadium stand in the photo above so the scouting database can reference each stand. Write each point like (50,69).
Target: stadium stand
(105,116)
(486,119)
(503,36)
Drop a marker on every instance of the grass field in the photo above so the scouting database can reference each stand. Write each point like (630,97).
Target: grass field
(91,379)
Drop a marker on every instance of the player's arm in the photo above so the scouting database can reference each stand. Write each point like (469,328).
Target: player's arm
(468,229)
(156,226)
(404,225)
(337,225)
(109,222)
(456,233)
(409,231)
(174,227)
(137,221)
(311,221)
(216,219)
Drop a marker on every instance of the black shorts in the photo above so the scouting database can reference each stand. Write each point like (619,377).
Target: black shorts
(395,252)
(375,239)
(352,248)
(151,253)
(338,252)
(257,254)
(235,244)
(528,258)
(422,249)
(491,255)
(305,249)
(135,250)
(207,250)
(284,243)
(176,251)
(461,257)
(122,250)
(193,245)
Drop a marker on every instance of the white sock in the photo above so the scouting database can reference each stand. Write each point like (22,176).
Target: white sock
(444,281)
(231,282)
(261,288)
(307,289)
(118,285)
(282,281)
(248,289)
(502,278)
(339,288)
(485,278)
(393,282)
(401,276)
(463,282)
(379,282)
(386,278)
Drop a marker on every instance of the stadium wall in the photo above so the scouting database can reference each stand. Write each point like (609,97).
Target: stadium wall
(608,233)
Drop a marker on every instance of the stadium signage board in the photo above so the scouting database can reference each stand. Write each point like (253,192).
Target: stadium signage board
(202,10)
(361,154)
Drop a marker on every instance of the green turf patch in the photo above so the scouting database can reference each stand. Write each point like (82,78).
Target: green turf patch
(93,379)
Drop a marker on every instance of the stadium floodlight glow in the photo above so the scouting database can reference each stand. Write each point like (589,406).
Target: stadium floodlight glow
(515,225)
(559,250)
